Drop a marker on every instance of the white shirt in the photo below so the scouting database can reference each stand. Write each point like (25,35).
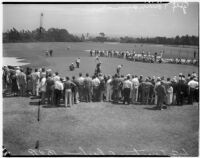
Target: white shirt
(78,60)
(56,78)
(59,85)
(119,67)
(127,84)
(108,83)
(96,82)
(43,85)
(135,82)
(193,84)
(80,80)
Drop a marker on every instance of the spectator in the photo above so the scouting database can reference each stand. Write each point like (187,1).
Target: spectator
(68,92)
(58,91)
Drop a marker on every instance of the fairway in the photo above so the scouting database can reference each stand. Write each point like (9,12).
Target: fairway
(99,128)
(34,53)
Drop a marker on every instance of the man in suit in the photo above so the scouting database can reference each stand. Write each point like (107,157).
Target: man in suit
(181,90)
(161,93)
(116,84)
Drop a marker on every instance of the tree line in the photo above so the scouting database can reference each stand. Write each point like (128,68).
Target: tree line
(62,35)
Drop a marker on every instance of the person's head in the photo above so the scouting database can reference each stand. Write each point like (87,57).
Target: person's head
(50,75)
(36,70)
(80,74)
(73,77)
(17,68)
(116,75)
(158,79)
(56,73)
(43,69)
(87,75)
(168,79)
(67,78)
(61,79)
(128,77)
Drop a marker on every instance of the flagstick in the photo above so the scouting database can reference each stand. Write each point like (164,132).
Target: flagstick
(38,119)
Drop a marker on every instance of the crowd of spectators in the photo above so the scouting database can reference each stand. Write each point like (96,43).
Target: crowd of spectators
(129,89)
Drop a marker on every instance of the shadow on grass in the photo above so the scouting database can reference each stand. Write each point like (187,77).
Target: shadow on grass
(35,97)
(36,103)
(151,108)
(9,96)
(53,106)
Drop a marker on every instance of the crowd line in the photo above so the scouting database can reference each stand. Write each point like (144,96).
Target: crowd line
(55,90)
(143,57)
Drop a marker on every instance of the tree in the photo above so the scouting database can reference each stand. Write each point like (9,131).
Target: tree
(102,34)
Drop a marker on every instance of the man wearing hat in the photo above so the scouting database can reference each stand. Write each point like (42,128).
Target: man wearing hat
(181,88)
(161,93)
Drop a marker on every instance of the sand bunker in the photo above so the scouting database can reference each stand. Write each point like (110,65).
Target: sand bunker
(13,61)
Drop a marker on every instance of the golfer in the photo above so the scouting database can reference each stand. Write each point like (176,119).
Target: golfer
(119,69)
(78,60)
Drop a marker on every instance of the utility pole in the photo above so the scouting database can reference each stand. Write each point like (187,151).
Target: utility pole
(41,22)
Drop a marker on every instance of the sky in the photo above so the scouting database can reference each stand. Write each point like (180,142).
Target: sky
(139,20)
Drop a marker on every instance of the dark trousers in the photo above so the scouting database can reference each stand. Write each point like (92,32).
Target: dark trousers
(95,93)
(77,64)
(115,95)
(160,101)
(74,96)
(191,96)
(180,97)
(87,94)
(126,93)
(81,93)
(49,96)
(57,96)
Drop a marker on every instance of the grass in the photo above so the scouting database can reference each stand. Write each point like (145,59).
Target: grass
(97,128)
(104,126)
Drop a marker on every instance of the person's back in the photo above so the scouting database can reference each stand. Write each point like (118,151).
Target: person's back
(115,83)
(49,82)
(95,82)
(21,78)
(160,90)
(80,80)
(181,86)
(135,82)
(87,82)
(67,84)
